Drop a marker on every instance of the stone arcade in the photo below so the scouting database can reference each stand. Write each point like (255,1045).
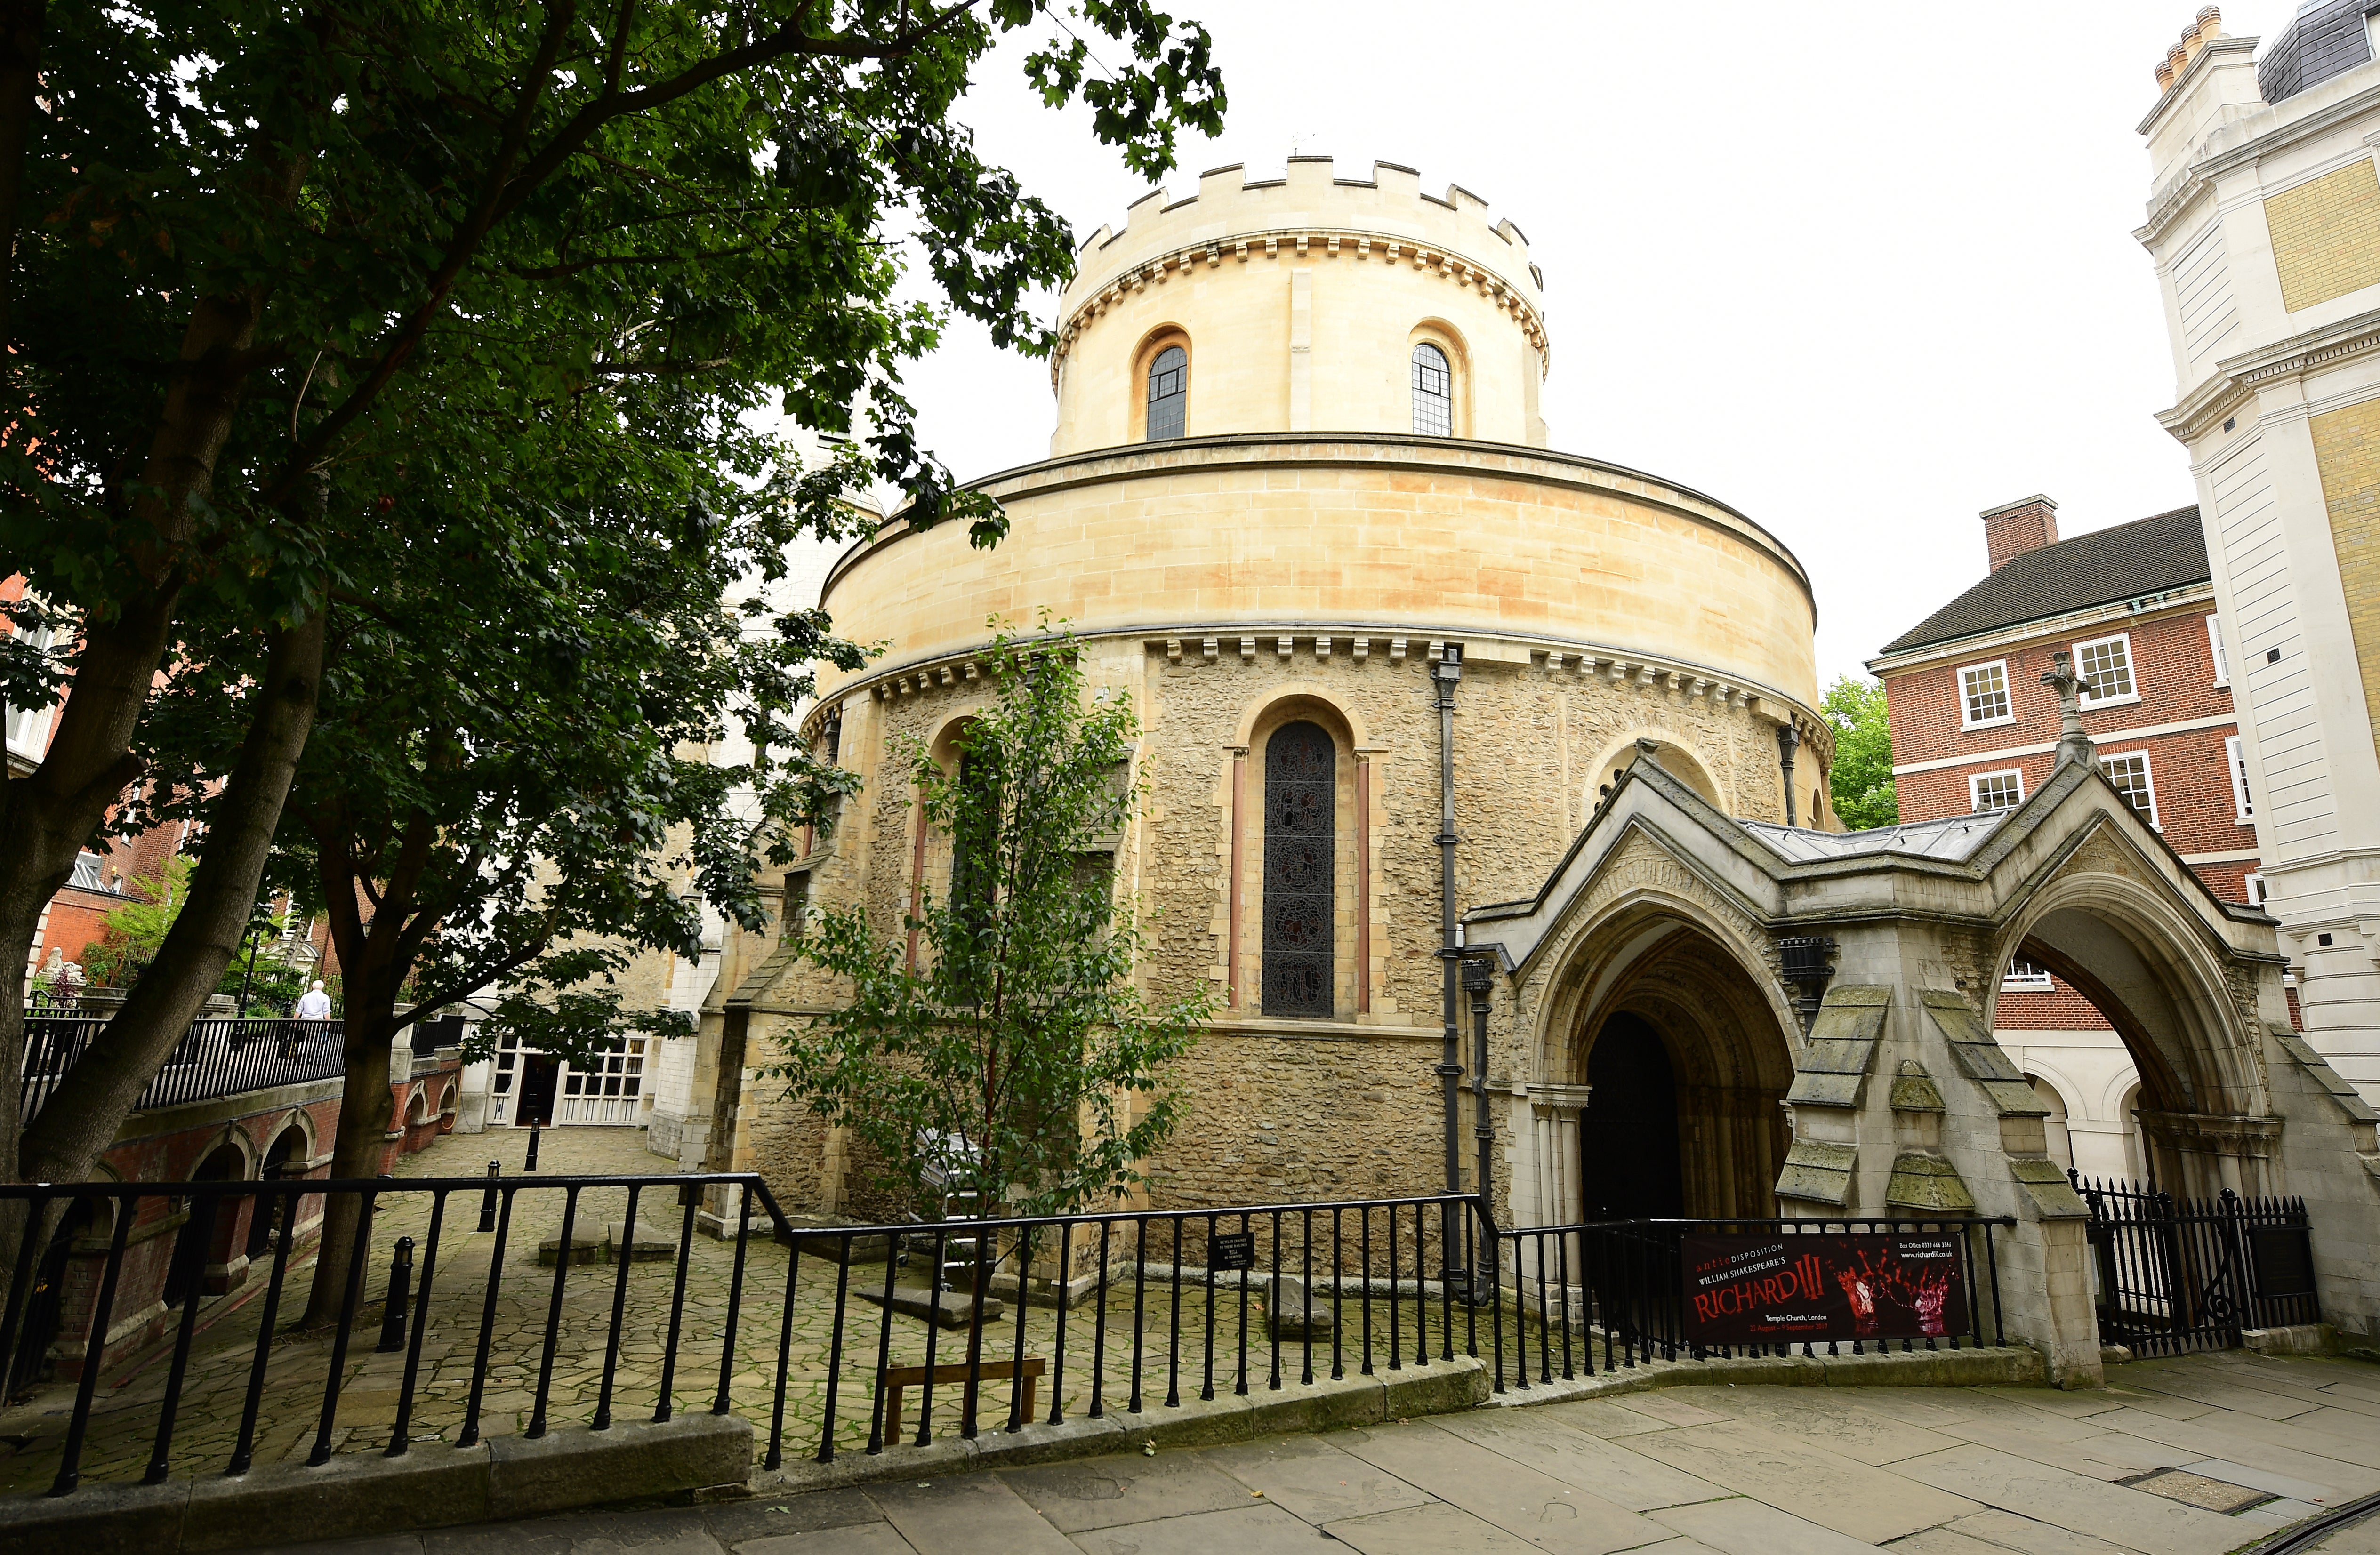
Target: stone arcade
(1298,459)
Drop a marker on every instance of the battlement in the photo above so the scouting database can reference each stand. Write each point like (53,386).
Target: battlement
(1386,222)
(1310,204)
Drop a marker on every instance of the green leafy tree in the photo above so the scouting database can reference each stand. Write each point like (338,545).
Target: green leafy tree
(1861,776)
(1016,1058)
(275,271)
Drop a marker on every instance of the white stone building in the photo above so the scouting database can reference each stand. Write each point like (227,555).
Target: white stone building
(2263,219)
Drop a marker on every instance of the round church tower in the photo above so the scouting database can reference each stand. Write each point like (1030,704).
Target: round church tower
(1299,455)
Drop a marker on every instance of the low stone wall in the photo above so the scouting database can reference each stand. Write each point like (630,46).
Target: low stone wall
(433,1486)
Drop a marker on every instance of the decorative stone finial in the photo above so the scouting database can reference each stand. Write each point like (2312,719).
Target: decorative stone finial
(2073,745)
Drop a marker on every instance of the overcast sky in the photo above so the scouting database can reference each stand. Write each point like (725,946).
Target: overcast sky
(1859,269)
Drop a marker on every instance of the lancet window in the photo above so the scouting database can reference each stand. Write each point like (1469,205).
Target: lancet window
(1169,394)
(1433,391)
(1301,798)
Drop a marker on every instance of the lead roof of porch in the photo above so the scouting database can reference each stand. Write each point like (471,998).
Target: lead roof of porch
(1954,836)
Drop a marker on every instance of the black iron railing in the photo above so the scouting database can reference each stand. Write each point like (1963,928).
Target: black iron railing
(214,1058)
(1127,1311)
(2175,1274)
(1623,1286)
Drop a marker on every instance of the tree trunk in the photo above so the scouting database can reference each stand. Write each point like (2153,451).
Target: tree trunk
(64,1144)
(364,1116)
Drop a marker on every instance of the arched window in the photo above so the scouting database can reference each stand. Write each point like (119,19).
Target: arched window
(1433,386)
(1169,394)
(1301,794)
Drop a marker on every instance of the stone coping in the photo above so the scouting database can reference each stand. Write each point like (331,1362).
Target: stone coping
(1997,1367)
(431,1486)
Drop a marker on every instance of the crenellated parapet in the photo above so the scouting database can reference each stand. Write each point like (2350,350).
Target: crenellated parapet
(1386,219)
(1298,303)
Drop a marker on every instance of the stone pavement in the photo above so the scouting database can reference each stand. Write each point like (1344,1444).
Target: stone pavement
(2194,1455)
(1155,1329)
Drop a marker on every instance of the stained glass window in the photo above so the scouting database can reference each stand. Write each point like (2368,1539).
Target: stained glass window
(1301,783)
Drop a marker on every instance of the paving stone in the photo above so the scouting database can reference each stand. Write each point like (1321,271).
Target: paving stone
(1313,1477)
(1546,1511)
(1623,1478)
(1105,1492)
(2007,1530)
(1243,1530)
(1836,1419)
(2198,1491)
(858,1538)
(2277,1484)
(1740,1526)
(732,1523)
(966,1516)
(1434,1529)
(1807,1481)
(2075,1501)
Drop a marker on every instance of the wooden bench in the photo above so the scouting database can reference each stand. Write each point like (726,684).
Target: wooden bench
(900,1377)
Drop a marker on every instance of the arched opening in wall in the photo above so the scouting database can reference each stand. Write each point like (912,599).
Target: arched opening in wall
(206,1235)
(2199,1097)
(1678,761)
(2062,1141)
(45,1303)
(1688,1064)
(1160,386)
(1301,784)
(285,1158)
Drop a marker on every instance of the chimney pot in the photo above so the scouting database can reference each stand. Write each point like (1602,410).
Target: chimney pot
(2014,528)
(2164,76)
(2176,58)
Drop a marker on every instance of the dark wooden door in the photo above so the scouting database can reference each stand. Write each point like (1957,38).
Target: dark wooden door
(537,1082)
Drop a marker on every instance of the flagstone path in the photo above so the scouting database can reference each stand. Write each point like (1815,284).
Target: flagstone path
(2194,1455)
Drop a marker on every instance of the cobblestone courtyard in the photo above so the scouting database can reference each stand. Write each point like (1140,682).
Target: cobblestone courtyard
(126,1411)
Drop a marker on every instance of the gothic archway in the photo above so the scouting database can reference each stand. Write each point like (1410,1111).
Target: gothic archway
(1665,1065)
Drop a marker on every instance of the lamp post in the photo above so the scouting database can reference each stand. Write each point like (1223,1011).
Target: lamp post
(1788,739)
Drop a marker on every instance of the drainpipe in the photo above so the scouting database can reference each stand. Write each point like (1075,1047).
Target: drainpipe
(1788,739)
(1446,673)
(1479,979)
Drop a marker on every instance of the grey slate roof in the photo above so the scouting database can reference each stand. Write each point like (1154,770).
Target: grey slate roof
(1953,837)
(2147,556)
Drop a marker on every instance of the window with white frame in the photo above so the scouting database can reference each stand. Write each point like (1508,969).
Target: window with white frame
(2237,759)
(2254,886)
(24,724)
(1984,695)
(2131,776)
(1995,791)
(2025,976)
(2215,647)
(2106,666)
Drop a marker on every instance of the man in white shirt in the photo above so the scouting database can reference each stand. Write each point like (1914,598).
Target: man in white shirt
(314,1004)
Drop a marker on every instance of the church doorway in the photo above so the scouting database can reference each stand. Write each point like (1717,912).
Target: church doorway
(1686,1063)
(1628,1142)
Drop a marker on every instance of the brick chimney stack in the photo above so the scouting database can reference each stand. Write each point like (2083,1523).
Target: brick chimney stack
(2013,528)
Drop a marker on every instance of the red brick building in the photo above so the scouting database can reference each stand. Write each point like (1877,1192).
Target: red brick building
(1974,729)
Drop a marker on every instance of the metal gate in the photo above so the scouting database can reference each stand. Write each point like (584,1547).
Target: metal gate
(2174,1274)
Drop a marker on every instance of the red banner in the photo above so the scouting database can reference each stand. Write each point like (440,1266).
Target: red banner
(1773,1288)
